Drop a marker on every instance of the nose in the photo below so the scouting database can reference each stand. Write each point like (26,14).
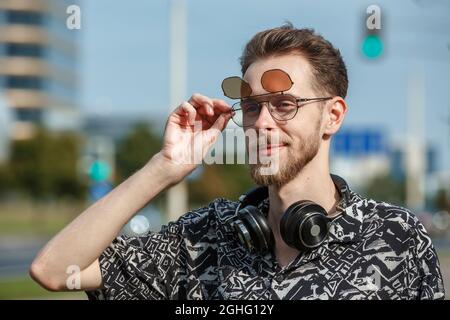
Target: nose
(265,120)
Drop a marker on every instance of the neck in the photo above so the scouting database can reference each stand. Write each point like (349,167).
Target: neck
(312,183)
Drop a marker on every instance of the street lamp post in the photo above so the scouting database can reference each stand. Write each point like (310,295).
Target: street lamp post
(177,196)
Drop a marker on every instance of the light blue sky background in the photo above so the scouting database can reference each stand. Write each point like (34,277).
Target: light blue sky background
(125,62)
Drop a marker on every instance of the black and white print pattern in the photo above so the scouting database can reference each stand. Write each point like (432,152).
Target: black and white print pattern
(374,251)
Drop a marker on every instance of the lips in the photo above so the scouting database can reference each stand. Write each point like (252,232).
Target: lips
(265,146)
(269,149)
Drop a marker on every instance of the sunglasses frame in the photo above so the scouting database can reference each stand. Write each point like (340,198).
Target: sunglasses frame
(243,82)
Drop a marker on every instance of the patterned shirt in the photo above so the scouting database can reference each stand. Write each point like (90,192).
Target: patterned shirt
(374,250)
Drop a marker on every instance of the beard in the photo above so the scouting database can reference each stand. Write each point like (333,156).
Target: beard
(297,158)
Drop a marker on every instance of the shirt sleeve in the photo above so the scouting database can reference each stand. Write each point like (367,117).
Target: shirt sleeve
(143,267)
(428,281)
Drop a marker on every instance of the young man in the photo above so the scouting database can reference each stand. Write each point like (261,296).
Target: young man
(272,244)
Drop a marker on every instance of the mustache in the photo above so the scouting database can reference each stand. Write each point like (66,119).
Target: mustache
(269,141)
(264,141)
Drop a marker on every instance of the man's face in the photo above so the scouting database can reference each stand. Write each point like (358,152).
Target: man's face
(291,144)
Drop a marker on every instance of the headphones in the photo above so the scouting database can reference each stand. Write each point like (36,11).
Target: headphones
(304,225)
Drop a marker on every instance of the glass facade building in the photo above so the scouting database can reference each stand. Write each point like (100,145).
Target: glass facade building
(38,58)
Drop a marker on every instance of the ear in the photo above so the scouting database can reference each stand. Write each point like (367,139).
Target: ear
(335,111)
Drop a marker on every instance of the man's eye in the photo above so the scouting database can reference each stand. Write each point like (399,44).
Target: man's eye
(250,108)
(284,104)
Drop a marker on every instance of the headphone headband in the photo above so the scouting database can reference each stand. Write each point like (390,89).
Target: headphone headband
(344,192)
(258,194)
(254,196)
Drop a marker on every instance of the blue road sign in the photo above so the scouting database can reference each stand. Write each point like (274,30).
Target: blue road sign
(353,142)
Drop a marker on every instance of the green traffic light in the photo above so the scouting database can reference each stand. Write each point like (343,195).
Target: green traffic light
(372,47)
(99,171)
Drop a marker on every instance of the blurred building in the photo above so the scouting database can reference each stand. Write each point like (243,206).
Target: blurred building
(38,62)
(115,126)
(398,161)
(5,128)
(436,175)
(360,154)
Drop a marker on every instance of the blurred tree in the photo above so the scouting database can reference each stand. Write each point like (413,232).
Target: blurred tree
(46,165)
(442,200)
(5,179)
(386,188)
(135,150)
(220,181)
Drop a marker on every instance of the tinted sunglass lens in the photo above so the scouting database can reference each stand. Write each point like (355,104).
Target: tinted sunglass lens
(236,88)
(276,80)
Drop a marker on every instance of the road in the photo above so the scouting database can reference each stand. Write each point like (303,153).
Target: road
(17,253)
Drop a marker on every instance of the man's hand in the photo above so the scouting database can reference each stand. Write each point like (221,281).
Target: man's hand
(191,130)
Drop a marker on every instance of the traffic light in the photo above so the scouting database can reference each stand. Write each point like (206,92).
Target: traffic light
(372,45)
(100,174)
(98,164)
(99,171)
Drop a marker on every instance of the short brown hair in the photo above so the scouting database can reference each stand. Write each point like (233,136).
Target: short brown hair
(328,68)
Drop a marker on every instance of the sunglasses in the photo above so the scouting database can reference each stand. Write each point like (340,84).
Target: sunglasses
(274,80)
(282,107)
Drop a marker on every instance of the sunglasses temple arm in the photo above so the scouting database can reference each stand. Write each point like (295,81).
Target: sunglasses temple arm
(313,99)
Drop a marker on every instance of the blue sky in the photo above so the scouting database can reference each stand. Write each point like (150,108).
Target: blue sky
(125,64)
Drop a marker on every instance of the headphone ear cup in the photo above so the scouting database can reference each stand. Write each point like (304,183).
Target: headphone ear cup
(304,225)
(288,225)
(254,231)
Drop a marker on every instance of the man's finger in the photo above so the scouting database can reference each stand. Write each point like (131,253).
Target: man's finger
(221,105)
(221,121)
(189,109)
(200,101)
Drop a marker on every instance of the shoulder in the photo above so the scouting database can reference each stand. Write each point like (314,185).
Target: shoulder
(217,209)
(194,226)
(394,214)
(203,219)
(394,220)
